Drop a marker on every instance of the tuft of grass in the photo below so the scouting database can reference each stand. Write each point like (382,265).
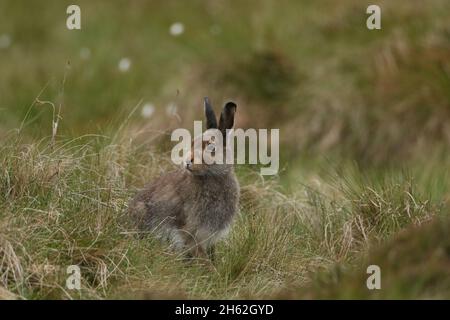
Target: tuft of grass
(414,264)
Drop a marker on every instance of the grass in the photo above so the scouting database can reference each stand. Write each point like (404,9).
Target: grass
(414,265)
(68,206)
(363,118)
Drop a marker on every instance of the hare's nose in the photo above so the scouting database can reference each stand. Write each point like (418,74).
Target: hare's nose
(188,164)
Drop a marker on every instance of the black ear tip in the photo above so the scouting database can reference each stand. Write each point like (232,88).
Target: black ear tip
(230,105)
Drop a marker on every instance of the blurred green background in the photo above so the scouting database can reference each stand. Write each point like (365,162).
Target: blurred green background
(311,68)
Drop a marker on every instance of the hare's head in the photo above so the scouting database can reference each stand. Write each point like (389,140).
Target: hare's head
(211,147)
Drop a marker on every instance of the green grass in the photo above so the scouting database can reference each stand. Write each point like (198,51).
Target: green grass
(68,206)
(414,265)
(364,127)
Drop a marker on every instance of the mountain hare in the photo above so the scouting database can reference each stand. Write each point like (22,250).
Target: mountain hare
(192,207)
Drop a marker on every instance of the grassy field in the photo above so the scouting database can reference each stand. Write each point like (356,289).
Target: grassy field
(364,119)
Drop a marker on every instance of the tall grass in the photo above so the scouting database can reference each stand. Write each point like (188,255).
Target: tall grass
(67,206)
(413,265)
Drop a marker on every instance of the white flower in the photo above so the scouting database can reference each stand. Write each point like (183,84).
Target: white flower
(85,53)
(176,29)
(5,41)
(147,110)
(171,109)
(124,64)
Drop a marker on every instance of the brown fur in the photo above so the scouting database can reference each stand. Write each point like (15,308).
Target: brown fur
(192,207)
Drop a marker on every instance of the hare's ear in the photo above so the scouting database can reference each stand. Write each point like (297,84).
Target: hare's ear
(211,121)
(227,117)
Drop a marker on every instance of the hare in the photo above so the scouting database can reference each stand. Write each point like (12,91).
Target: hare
(193,206)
